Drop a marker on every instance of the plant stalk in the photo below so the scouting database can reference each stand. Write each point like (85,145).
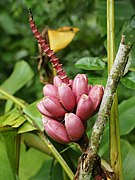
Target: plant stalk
(89,160)
(12,98)
(57,156)
(115,151)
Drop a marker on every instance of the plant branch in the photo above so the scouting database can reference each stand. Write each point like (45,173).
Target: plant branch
(115,151)
(12,98)
(90,157)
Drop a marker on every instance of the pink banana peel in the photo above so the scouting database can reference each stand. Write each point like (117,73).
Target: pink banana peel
(67,97)
(80,86)
(55,130)
(74,126)
(85,108)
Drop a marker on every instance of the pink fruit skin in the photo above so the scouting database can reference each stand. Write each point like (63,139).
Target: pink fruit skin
(89,88)
(66,96)
(55,130)
(42,110)
(85,108)
(57,81)
(50,90)
(96,94)
(74,126)
(80,86)
(53,106)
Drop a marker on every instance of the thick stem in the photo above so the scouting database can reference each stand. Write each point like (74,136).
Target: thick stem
(115,152)
(86,165)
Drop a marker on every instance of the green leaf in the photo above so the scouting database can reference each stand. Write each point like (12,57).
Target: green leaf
(129,80)
(26,127)
(8,106)
(129,30)
(90,63)
(14,119)
(97,80)
(6,170)
(104,148)
(7,23)
(132,59)
(32,111)
(3,119)
(21,74)
(57,173)
(34,164)
(44,172)
(128,156)
(32,140)
(127,115)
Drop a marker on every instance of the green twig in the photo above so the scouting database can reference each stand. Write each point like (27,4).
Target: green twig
(89,158)
(12,98)
(115,152)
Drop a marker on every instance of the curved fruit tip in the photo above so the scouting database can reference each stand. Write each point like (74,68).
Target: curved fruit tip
(96,94)
(57,81)
(80,86)
(85,108)
(74,126)
(53,106)
(42,109)
(66,96)
(55,130)
(50,90)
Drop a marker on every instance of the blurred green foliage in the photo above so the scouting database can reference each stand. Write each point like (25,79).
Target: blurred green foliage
(86,54)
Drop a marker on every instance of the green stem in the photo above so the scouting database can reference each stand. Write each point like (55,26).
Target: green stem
(12,98)
(57,156)
(115,152)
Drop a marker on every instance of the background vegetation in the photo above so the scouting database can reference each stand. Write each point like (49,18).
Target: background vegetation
(86,54)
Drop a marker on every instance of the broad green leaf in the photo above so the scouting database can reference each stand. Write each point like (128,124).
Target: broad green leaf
(32,140)
(3,119)
(97,80)
(8,106)
(129,80)
(132,57)
(57,172)
(45,172)
(7,23)
(6,170)
(34,164)
(26,127)
(91,63)
(21,74)
(128,158)
(14,119)
(32,112)
(104,148)
(127,116)
(129,30)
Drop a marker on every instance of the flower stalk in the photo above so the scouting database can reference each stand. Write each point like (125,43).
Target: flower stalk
(46,48)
